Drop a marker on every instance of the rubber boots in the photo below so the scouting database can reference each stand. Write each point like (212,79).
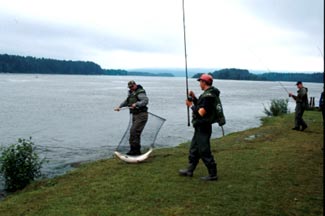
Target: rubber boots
(134,151)
(212,174)
(187,172)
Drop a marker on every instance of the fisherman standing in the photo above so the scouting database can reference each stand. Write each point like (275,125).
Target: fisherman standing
(202,119)
(301,105)
(137,101)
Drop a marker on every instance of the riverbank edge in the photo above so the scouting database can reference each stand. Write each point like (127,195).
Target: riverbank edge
(224,148)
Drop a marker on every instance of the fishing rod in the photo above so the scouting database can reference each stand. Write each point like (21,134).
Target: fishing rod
(185,53)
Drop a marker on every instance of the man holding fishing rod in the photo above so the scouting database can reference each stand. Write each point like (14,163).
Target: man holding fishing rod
(136,101)
(202,119)
(301,105)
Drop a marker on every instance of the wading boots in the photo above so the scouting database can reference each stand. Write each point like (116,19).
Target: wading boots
(187,172)
(212,174)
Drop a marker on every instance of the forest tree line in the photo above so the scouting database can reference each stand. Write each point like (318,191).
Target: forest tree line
(243,74)
(33,65)
(20,64)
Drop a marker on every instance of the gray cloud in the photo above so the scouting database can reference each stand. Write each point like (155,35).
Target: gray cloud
(302,15)
(50,39)
(139,36)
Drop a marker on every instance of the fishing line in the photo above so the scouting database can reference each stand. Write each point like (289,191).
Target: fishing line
(185,53)
(260,60)
(320,51)
(283,87)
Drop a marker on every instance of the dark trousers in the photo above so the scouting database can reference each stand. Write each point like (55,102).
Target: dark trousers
(139,120)
(200,148)
(300,109)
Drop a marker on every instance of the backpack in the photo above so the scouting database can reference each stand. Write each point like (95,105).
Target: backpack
(218,116)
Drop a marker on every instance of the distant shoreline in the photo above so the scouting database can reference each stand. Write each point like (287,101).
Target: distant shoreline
(31,65)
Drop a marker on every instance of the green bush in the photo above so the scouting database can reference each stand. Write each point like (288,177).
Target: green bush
(277,107)
(20,164)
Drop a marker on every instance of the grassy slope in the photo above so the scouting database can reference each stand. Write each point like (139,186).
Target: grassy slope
(270,170)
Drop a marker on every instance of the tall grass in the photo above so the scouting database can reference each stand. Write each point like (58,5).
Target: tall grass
(277,107)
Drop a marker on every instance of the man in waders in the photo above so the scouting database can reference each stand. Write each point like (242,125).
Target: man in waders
(202,114)
(301,105)
(137,101)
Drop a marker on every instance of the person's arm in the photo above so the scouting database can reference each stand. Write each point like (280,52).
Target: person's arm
(123,104)
(143,100)
(301,94)
(201,110)
(293,96)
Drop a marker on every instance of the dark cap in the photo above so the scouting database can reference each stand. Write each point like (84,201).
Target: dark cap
(131,83)
(299,82)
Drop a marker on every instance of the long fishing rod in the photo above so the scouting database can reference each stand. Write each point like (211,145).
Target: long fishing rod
(185,53)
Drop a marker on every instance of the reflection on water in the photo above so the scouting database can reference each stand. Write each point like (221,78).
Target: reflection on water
(71,118)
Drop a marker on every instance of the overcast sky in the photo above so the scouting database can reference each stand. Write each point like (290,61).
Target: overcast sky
(275,35)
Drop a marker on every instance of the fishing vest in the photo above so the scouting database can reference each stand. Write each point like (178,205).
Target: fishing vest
(303,96)
(133,98)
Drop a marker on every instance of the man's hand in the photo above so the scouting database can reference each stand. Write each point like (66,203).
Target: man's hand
(188,103)
(191,94)
(117,109)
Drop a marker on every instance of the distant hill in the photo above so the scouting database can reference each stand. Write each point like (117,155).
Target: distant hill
(244,74)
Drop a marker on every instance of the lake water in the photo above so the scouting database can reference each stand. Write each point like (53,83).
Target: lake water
(71,119)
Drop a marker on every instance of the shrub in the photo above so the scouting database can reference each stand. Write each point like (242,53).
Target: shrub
(277,107)
(20,164)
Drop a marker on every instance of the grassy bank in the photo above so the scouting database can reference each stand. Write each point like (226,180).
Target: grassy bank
(270,170)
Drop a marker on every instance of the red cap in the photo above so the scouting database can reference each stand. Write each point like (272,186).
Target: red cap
(207,78)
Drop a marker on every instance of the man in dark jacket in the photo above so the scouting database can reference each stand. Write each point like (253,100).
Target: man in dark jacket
(202,111)
(301,105)
(137,101)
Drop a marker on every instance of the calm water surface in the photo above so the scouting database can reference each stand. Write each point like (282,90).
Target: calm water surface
(71,118)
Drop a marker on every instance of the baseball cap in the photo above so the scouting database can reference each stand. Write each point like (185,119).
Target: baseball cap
(131,83)
(207,78)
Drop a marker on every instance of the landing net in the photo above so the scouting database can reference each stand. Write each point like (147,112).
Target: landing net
(148,136)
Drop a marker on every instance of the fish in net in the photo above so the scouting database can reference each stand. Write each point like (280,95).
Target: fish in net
(148,138)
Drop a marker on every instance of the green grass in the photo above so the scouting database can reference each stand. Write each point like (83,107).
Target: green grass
(270,170)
